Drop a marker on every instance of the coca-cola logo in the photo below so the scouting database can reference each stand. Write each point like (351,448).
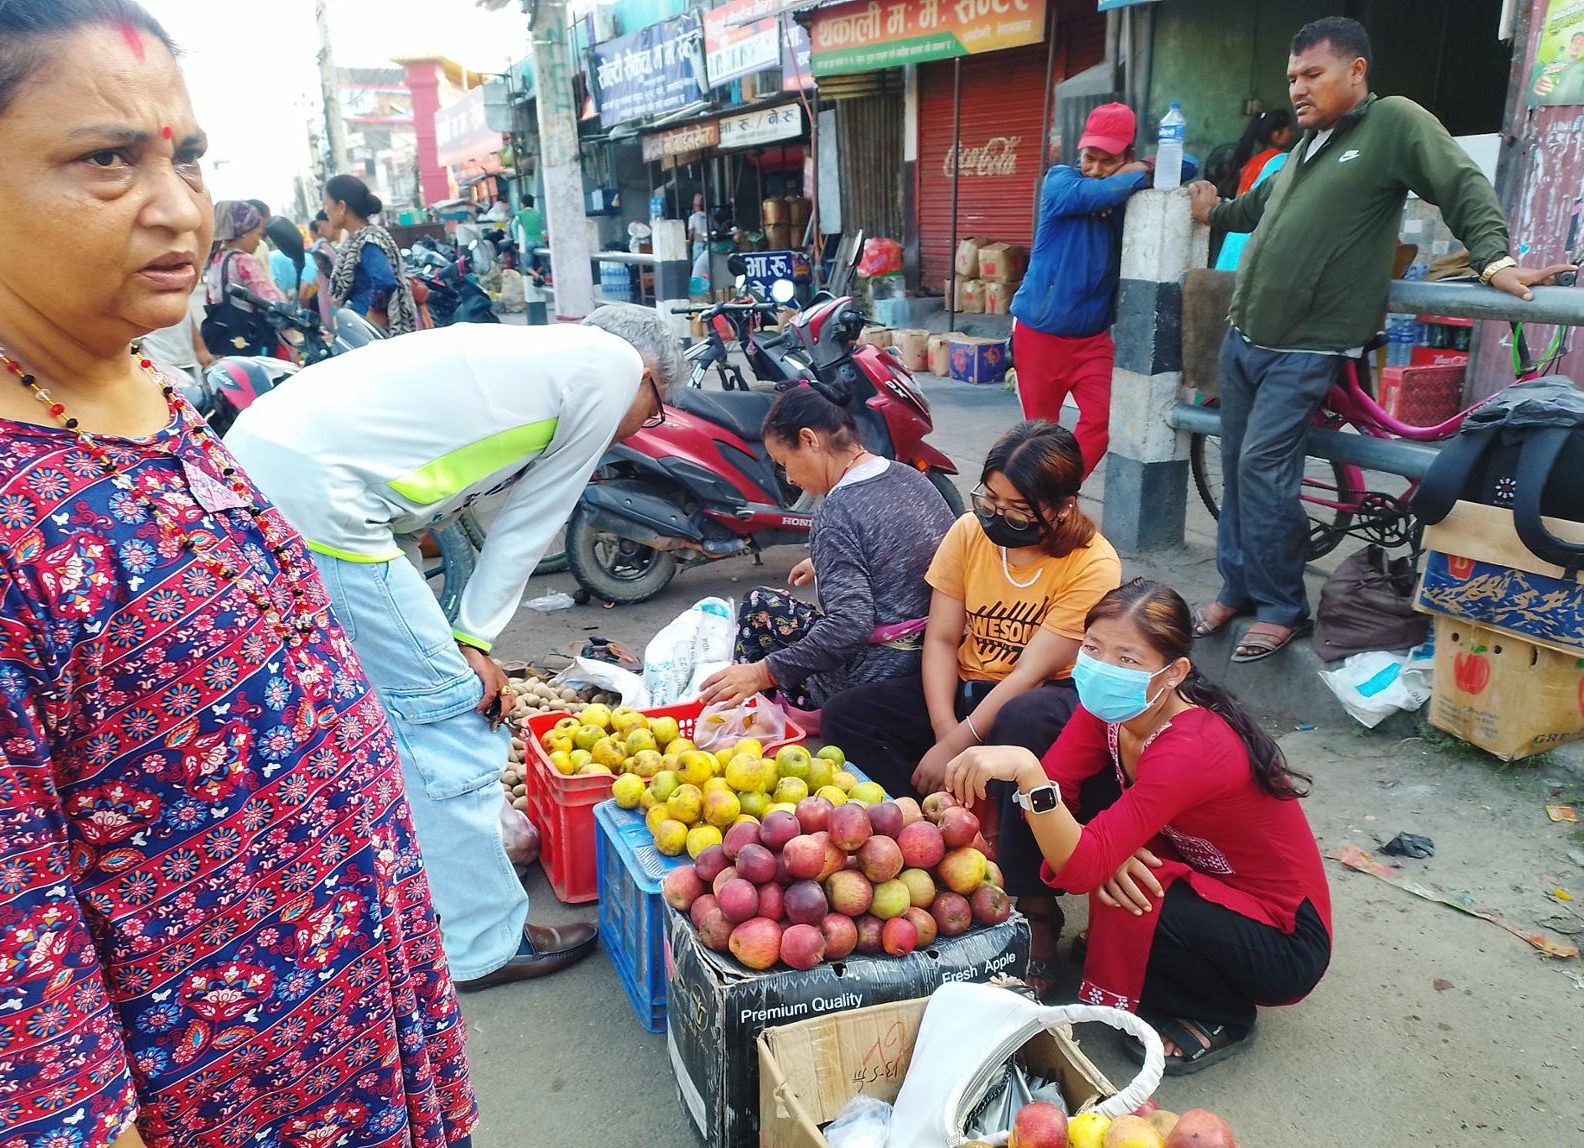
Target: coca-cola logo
(998,155)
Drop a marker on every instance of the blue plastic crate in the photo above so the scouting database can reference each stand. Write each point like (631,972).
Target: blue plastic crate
(631,910)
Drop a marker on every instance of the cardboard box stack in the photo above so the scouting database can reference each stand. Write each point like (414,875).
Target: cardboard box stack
(876,337)
(988,275)
(1509,634)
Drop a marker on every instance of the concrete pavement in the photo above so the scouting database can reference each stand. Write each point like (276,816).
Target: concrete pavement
(1432,1027)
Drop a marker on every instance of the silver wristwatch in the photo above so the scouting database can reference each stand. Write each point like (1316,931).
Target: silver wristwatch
(1040,799)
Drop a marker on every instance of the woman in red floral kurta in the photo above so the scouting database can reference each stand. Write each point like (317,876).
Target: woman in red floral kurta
(214,923)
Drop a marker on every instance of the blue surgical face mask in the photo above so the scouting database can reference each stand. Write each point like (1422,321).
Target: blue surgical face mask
(1113,693)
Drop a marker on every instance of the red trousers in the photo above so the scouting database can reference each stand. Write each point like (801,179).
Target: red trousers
(1051,367)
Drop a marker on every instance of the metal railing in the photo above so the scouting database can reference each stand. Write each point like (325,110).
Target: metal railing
(1551,305)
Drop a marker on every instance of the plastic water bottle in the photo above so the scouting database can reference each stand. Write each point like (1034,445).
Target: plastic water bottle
(1400,336)
(1169,151)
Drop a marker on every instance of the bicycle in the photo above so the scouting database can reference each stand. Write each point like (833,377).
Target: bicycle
(1337,495)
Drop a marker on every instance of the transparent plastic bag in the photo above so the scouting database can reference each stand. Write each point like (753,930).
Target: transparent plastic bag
(864,1122)
(727,723)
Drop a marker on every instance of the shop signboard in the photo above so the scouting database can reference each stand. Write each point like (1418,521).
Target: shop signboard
(462,130)
(762,126)
(680,141)
(796,73)
(867,34)
(765,267)
(1107,5)
(651,72)
(741,37)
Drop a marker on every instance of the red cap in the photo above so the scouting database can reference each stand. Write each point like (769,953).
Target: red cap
(1111,128)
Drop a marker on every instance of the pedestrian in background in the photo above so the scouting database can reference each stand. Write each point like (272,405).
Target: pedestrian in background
(368,274)
(215,925)
(1061,340)
(238,229)
(1265,136)
(1310,293)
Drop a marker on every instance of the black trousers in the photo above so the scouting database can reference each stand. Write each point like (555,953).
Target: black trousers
(884,728)
(1213,965)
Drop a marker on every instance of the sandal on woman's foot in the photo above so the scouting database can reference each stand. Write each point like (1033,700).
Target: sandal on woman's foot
(1041,979)
(1209,1042)
(1205,620)
(1263,639)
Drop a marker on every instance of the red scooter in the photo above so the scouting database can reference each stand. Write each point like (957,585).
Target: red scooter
(702,487)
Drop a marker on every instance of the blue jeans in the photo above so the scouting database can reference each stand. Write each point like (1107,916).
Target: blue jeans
(1262,539)
(450,758)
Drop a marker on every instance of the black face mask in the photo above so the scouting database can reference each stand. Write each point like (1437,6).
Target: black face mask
(1013,538)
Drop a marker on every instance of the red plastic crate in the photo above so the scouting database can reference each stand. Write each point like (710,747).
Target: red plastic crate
(563,807)
(1422,396)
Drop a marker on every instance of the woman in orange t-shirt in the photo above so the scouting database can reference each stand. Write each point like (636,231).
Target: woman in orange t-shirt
(1012,583)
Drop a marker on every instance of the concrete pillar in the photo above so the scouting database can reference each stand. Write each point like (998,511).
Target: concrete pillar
(559,169)
(1146,470)
(671,272)
(423,81)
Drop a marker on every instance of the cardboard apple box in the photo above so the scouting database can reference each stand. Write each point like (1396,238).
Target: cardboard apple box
(1503,694)
(967,261)
(876,337)
(998,296)
(1003,262)
(912,347)
(940,354)
(809,1070)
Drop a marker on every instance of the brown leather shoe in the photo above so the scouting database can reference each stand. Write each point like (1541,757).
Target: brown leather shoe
(545,950)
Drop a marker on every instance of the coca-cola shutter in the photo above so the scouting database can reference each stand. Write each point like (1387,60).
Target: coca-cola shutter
(1003,108)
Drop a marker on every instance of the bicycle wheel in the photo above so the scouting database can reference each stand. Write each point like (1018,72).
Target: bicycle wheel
(1328,494)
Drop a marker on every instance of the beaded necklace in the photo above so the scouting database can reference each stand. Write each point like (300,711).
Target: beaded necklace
(294,630)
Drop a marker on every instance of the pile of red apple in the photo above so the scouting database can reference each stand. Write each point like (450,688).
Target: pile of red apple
(826,881)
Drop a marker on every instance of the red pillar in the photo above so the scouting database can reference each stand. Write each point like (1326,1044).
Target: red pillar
(423,81)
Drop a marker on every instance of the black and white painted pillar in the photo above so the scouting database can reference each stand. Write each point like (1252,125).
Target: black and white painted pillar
(1146,468)
(672,268)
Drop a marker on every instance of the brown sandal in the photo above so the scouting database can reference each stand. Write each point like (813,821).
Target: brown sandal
(1203,627)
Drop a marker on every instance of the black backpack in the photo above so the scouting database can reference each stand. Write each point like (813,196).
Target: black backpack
(1523,450)
(229,330)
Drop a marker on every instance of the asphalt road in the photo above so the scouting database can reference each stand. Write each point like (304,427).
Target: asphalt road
(1432,1027)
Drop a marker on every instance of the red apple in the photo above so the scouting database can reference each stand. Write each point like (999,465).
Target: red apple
(756,943)
(885,819)
(756,864)
(958,827)
(841,936)
(779,827)
(682,887)
(805,857)
(813,813)
(922,845)
(924,924)
(1039,1125)
(869,929)
(738,835)
(881,858)
(952,913)
(772,901)
(803,946)
(805,903)
(849,826)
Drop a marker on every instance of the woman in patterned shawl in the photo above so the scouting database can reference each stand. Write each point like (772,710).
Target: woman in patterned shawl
(214,922)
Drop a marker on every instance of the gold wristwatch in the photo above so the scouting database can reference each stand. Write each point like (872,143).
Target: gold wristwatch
(1496,265)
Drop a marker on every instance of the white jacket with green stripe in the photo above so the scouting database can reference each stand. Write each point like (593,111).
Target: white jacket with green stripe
(401,435)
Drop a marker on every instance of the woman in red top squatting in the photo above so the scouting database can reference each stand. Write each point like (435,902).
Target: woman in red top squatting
(1207,897)
(215,928)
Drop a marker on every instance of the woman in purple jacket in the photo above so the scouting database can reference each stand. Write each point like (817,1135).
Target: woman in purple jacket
(871,543)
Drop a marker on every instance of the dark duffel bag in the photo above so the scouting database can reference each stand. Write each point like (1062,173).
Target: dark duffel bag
(1523,450)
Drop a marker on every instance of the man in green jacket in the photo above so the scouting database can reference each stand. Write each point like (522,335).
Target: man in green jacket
(1310,292)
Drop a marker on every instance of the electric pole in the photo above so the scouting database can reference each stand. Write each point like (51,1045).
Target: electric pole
(330,90)
(560,163)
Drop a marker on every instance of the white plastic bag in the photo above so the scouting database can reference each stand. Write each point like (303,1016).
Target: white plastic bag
(968,1033)
(863,1122)
(592,672)
(1377,683)
(690,648)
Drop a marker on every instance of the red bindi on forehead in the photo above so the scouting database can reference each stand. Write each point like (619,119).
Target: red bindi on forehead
(133,38)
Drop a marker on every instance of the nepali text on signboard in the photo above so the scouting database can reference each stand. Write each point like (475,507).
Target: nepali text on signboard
(740,38)
(765,267)
(648,73)
(680,141)
(869,34)
(762,126)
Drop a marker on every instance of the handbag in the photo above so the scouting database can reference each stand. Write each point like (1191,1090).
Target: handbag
(229,330)
(969,1033)
(1523,450)
(1367,604)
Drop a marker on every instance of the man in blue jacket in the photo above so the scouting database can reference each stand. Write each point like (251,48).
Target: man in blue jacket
(1067,303)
